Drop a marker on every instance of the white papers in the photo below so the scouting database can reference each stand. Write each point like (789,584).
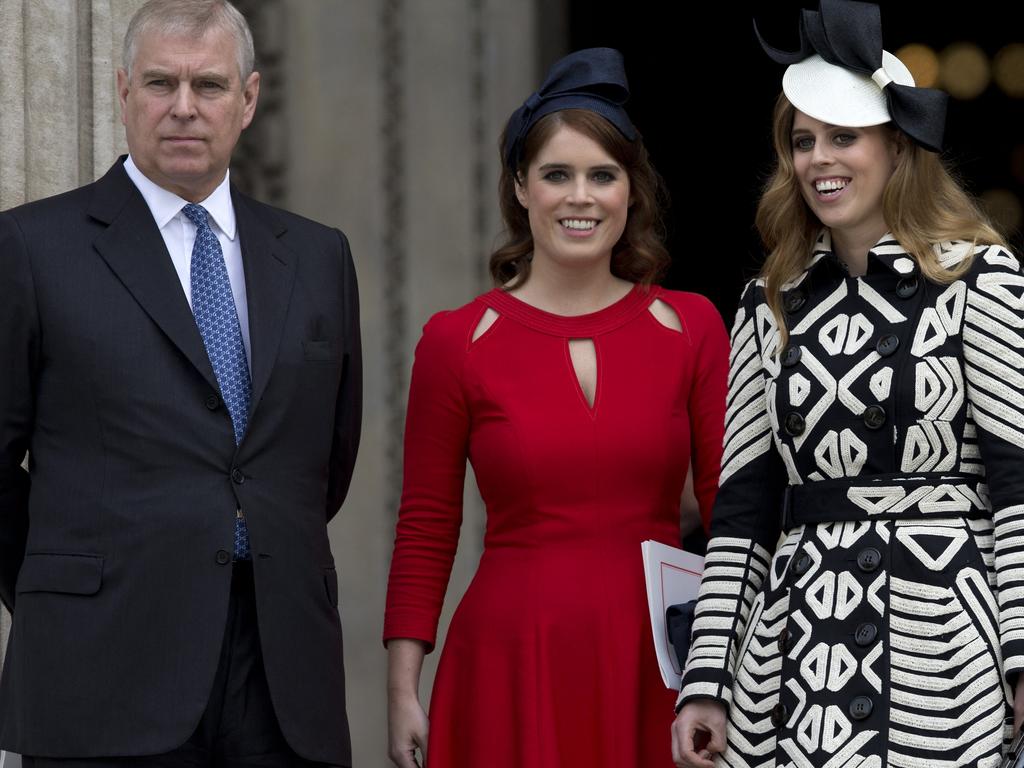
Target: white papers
(673,576)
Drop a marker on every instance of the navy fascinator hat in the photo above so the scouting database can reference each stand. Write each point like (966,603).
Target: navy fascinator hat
(592,79)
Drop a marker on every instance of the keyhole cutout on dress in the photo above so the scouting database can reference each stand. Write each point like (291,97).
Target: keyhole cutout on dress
(488,319)
(584,363)
(665,315)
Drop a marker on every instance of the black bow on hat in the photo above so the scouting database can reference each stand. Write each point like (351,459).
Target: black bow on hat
(593,79)
(848,34)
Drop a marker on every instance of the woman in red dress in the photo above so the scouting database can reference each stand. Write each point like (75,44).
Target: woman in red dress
(580,391)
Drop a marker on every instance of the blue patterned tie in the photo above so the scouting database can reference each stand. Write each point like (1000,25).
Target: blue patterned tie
(214,308)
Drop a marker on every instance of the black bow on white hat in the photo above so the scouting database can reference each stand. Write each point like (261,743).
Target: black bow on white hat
(841,75)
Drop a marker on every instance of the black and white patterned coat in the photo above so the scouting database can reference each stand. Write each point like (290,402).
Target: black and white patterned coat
(863,598)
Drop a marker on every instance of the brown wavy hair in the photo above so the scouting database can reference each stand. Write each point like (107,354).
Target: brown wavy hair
(922,204)
(639,256)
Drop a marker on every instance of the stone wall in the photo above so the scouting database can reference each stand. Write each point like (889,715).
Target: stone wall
(59,118)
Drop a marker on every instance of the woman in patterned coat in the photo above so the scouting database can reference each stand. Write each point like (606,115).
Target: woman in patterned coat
(863,598)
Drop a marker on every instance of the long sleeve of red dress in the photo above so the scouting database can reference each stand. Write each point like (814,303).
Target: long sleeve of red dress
(436,436)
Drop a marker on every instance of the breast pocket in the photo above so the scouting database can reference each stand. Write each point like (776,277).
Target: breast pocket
(325,351)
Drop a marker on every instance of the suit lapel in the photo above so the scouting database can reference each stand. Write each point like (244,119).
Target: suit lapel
(269,275)
(134,249)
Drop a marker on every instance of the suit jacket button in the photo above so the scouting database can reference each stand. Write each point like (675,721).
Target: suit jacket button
(865,634)
(779,715)
(874,417)
(868,559)
(861,707)
(237,477)
(888,344)
(212,401)
(223,557)
(906,287)
(794,424)
(791,356)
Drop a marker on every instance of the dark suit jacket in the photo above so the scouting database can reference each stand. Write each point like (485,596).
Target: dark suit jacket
(114,546)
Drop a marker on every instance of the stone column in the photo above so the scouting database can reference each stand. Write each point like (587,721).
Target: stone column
(394,111)
(59,118)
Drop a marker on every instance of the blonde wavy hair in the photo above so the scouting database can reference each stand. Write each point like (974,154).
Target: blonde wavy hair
(922,205)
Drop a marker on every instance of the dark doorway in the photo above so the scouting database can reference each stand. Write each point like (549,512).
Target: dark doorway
(702,97)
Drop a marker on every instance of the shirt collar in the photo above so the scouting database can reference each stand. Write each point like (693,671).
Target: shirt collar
(165,205)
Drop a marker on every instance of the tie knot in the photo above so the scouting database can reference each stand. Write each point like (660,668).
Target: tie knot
(196,214)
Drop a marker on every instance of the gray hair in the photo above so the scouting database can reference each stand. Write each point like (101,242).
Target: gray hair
(191,18)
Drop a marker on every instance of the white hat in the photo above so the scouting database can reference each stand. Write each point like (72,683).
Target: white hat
(840,75)
(840,96)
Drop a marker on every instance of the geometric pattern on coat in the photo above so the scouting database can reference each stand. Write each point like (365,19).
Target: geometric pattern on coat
(882,622)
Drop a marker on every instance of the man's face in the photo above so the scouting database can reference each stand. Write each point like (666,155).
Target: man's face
(184,108)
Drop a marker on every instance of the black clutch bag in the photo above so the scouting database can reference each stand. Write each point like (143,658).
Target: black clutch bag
(679,623)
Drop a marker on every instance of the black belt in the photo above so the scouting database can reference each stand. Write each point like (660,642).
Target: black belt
(885,497)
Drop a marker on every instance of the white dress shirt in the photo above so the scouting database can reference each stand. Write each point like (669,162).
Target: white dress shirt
(179,235)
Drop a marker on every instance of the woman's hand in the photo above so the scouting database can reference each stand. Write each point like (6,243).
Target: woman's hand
(407,730)
(407,722)
(698,733)
(1018,703)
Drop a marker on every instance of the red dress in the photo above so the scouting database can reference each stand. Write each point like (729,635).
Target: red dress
(549,661)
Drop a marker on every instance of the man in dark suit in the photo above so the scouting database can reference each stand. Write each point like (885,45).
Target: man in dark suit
(182,365)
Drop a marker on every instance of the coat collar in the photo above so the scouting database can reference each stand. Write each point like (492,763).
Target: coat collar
(886,254)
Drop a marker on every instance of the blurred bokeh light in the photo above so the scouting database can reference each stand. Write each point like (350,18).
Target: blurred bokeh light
(964,70)
(922,62)
(1008,70)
